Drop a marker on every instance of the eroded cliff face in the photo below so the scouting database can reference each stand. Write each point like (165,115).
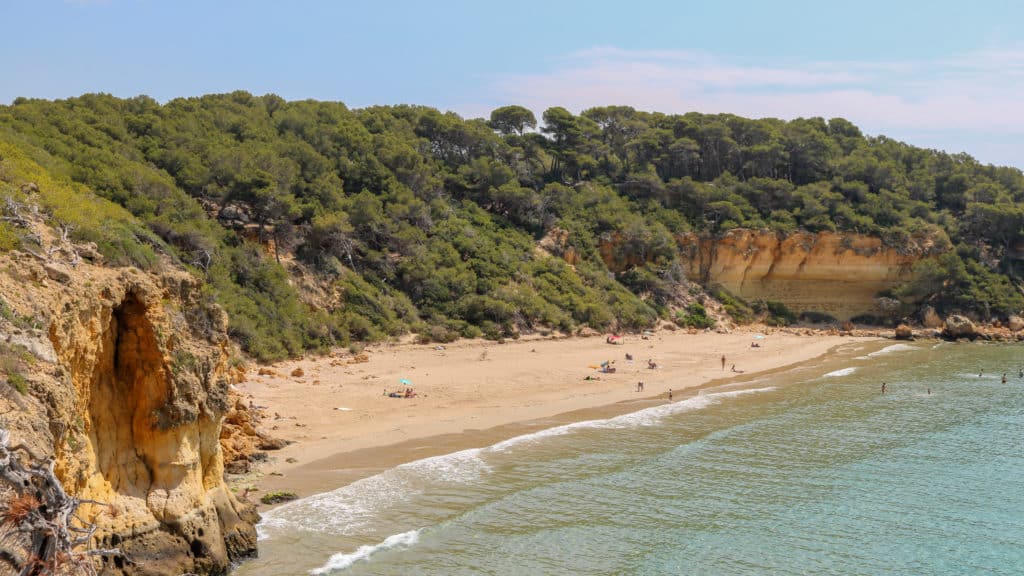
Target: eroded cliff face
(837,274)
(128,397)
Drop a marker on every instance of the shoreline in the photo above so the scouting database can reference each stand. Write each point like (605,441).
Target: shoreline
(541,386)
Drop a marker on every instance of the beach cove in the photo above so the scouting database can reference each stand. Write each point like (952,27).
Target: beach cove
(809,468)
(343,427)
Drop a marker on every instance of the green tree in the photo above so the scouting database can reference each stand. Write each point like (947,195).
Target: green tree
(512,120)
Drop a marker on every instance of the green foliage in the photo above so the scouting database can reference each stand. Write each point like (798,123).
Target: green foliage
(512,120)
(278,497)
(956,282)
(18,382)
(414,219)
(9,239)
(735,307)
(11,360)
(182,362)
(19,321)
(696,316)
(777,313)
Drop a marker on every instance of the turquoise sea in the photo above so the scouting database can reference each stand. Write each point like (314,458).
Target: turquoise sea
(808,471)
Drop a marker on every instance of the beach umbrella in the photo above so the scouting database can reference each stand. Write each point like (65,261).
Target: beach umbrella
(405,382)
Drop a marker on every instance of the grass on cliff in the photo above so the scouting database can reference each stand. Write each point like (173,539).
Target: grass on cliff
(122,239)
(12,361)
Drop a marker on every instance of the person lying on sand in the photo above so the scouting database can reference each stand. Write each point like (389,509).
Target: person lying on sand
(652,364)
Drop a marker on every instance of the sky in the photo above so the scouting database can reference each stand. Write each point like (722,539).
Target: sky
(938,74)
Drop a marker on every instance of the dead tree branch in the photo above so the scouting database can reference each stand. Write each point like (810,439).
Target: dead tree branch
(37,537)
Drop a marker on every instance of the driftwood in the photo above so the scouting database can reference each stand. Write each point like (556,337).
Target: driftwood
(40,533)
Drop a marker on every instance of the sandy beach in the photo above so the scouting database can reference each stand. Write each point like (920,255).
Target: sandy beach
(473,393)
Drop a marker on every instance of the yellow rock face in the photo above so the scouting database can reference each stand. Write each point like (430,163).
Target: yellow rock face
(135,402)
(830,273)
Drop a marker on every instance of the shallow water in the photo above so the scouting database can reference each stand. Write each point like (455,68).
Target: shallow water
(808,471)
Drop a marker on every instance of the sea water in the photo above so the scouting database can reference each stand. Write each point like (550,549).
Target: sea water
(809,471)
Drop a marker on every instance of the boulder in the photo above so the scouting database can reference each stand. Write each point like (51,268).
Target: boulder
(231,212)
(847,326)
(929,318)
(903,332)
(89,251)
(57,272)
(298,373)
(958,326)
(271,443)
(1015,323)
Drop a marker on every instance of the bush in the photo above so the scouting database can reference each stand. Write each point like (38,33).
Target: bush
(778,314)
(9,239)
(278,497)
(734,306)
(694,317)
(18,382)
(818,318)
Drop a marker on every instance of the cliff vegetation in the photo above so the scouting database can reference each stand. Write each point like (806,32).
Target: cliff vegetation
(317,225)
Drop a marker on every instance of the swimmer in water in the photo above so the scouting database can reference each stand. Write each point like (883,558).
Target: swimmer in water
(883,387)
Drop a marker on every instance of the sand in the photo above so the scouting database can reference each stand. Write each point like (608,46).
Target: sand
(475,393)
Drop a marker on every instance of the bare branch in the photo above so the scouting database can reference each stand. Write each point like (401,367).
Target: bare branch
(41,513)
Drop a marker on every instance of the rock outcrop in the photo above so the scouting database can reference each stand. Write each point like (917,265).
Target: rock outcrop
(836,274)
(1015,323)
(930,318)
(127,394)
(959,327)
(903,332)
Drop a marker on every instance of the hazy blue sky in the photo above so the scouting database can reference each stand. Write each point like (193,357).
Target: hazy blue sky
(940,74)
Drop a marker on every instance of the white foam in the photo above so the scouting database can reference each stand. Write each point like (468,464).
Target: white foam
(342,561)
(351,508)
(646,417)
(891,349)
(345,510)
(348,509)
(459,467)
(841,372)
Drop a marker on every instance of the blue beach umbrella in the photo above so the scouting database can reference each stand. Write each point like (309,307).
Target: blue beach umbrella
(405,382)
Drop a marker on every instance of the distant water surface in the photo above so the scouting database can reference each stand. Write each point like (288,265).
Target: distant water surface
(810,471)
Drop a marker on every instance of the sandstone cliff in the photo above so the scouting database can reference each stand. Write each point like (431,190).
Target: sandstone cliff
(838,274)
(123,381)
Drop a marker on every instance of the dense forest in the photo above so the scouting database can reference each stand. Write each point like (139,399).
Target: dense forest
(393,219)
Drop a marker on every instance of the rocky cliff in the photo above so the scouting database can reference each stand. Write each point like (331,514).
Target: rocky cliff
(838,274)
(120,377)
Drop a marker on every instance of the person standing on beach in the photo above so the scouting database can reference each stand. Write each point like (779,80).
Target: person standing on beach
(883,387)
(723,361)
(669,394)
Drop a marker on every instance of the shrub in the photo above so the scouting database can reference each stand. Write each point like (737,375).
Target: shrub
(778,314)
(9,239)
(278,497)
(734,306)
(18,382)
(695,316)
(818,317)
